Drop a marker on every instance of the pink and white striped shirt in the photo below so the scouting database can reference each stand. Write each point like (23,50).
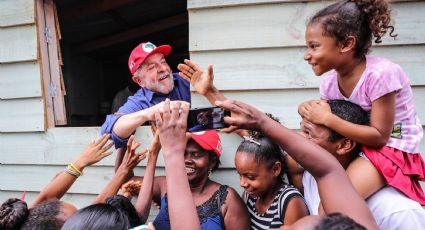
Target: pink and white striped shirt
(381,77)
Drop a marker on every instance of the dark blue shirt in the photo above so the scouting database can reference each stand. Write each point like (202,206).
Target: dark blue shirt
(144,99)
(209,212)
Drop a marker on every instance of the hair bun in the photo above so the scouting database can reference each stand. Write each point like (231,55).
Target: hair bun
(13,214)
(378,14)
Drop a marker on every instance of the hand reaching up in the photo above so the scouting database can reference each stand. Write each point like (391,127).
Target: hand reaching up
(131,188)
(200,80)
(172,127)
(131,158)
(94,152)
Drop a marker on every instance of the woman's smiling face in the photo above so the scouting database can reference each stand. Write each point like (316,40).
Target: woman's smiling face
(197,161)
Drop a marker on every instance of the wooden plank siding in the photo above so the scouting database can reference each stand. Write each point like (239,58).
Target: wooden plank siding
(285,68)
(59,146)
(281,25)
(16,12)
(18,43)
(20,80)
(22,115)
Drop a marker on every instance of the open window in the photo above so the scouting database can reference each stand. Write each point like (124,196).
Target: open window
(85,48)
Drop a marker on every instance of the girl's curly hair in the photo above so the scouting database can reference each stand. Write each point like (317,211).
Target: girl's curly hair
(363,19)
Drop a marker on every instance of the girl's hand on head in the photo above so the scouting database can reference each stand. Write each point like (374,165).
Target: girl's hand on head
(95,152)
(318,112)
(131,158)
(243,116)
(304,106)
(172,127)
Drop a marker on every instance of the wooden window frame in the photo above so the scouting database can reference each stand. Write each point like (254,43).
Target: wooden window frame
(50,63)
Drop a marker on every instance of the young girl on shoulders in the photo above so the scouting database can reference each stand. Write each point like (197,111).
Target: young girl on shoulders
(270,201)
(338,40)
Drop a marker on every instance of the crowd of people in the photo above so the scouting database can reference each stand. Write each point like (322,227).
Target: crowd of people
(355,164)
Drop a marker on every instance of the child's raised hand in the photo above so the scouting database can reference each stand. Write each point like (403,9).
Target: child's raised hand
(243,116)
(316,111)
(131,158)
(155,146)
(200,80)
(131,188)
(95,152)
(172,127)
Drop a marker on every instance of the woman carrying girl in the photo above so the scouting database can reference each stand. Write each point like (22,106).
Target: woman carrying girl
(270,201)
(338,39)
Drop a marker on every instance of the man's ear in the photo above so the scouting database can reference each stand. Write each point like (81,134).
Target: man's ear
(277,168)
(345,146)
(349,44)
(137,81)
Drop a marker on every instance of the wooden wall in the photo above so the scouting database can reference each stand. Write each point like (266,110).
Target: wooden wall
(256,47)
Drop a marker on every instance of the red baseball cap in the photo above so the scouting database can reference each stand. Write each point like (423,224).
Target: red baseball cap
(208,140)
(143,51)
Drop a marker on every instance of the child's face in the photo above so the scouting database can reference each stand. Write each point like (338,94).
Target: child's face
(322,53)
(255,178)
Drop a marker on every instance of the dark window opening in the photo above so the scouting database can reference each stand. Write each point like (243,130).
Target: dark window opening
(97,38)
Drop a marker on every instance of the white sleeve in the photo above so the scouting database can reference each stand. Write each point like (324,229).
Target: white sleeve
(406,219)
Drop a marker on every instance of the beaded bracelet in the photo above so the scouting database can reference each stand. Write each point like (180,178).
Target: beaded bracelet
(72,173)
(75,168)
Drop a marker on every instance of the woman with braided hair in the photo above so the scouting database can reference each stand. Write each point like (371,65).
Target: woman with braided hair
(338,39)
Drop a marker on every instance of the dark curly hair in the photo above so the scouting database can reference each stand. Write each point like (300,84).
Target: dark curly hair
(338,221)
(13,214)
(362,19)
(97,217)
(44,216)
(124,205)
(263,148)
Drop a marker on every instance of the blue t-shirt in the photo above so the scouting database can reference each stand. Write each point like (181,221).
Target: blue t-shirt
(144,99)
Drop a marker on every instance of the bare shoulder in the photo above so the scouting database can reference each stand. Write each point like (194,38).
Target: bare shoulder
(234,211)
(232,194)
(295,210)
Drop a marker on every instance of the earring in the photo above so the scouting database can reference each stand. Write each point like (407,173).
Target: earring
(209,173)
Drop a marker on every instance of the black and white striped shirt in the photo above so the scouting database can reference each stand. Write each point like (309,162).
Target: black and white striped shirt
(275,214)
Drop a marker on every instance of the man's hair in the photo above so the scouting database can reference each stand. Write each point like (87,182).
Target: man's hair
(350,112)
(337,221)
(347,111)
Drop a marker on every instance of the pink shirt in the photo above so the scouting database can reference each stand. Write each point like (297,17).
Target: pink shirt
(381,77)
